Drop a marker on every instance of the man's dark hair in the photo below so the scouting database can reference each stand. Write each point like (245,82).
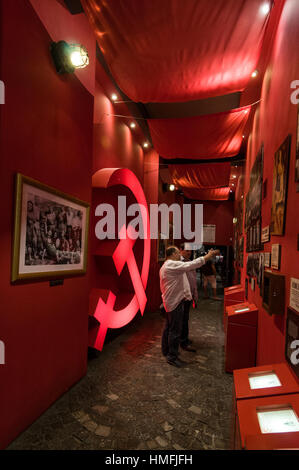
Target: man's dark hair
(170,250)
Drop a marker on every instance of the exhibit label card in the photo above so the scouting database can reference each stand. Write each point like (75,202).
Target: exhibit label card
(284,420)
(294,294)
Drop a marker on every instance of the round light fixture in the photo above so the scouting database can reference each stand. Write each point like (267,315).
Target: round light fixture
(255,73)
(171,187)
(68,57)
(132,125)
(265,8)
(114,97)
(145,145)
(79,56)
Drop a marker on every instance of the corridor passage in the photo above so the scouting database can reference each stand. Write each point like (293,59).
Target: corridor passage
(132,399)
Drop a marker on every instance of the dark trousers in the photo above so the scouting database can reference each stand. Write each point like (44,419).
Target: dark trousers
(185,326)
(172,332)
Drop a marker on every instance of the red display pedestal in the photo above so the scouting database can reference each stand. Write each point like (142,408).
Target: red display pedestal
(262,381)
(240,341)
(232,297)
(258,418)
(232,288)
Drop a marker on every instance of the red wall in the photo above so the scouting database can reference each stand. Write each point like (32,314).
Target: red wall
(275,118)
(45,133)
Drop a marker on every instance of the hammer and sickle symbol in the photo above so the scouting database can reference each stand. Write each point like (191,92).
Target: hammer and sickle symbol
(124,255)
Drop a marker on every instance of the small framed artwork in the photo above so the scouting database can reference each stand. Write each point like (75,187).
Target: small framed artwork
(275,256)
(267,260)
(50,232)
(280,187)
(266,234)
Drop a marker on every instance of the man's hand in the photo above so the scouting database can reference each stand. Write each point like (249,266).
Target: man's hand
(211,254)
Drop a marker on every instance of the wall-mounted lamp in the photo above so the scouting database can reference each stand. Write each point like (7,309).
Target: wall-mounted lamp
(168,187)
(68,57)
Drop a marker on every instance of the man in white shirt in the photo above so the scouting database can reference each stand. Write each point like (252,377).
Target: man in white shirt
(175,290)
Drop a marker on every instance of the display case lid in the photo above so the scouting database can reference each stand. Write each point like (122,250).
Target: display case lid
(258,416)
(243,390)
(238,294)
(231,288)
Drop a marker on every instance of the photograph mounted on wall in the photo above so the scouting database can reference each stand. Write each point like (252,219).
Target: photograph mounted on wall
(253,210)
(50,232)
(280,187)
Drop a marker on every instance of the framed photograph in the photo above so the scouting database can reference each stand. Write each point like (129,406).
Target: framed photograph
(267,260)
(275,256)
(50,232)
(280,186)
(266,234)
(253,208)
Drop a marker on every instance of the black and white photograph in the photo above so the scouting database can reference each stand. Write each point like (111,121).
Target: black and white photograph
(50,231)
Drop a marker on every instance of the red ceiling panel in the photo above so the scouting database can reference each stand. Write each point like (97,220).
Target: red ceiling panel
(205,176)
(171,50)
(212,136)
(218,194)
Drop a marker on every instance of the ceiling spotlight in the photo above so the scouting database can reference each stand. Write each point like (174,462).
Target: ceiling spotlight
(265,8)
(68,57)
(246,111)
(171,187)
(243,136)
(235,220)
(114,97)
(132,125)
(233,184)
(254,74)
(145,145)
(234,176)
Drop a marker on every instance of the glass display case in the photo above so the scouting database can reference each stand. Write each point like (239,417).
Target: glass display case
(267,415)
(259,382)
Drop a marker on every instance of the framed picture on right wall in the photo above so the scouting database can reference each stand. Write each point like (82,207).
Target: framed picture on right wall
(280,187)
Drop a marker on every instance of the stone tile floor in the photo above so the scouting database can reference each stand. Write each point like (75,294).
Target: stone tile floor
(132,399)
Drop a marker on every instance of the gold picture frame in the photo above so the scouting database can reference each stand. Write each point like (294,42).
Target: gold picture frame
(50,232)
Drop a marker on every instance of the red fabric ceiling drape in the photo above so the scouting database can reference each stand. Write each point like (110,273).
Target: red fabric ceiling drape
(171,50)
(205,176)
(218,194)
(212,136)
